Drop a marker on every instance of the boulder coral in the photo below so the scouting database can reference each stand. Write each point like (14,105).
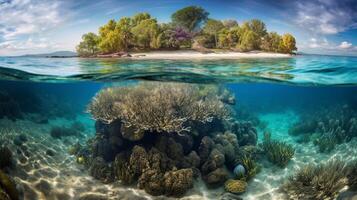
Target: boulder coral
(235,186)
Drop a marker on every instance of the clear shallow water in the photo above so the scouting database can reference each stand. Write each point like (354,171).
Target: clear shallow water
(305,69)
(274,95)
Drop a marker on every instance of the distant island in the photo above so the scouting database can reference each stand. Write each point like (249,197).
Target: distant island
(190,29)
(56,54)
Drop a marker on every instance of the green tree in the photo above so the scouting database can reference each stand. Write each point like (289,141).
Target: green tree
(288,43)
(228,38)
(108,40)
(258,27)
(212,27)
(271,42)
(89,45)
(190,17)
(123,29)
(146,34)
(140,17)
(248,41)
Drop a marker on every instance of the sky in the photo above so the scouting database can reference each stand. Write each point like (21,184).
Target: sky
(42,26)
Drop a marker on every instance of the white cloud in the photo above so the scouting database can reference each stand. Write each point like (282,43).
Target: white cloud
(345,45)
(326,17)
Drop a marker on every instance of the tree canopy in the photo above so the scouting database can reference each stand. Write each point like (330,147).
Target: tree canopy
(189,26)
(190,18)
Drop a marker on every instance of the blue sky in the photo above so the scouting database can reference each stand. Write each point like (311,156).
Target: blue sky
(38,26)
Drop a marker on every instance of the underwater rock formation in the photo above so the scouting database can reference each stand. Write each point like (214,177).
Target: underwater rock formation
(8,187)
(161,137)
(5,157)
(59,132)
(246,133)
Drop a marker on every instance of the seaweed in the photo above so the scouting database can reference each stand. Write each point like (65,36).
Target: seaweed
(318,182)
(279,153)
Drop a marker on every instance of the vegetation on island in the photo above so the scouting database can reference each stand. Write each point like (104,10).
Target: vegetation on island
(190,27)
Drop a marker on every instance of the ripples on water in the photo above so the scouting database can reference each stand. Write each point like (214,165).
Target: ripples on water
(304,69)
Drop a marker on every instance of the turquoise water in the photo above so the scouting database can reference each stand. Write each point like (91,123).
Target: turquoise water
(305,69)
(68,140)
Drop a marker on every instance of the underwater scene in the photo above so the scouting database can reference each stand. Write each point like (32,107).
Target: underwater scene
(252,129)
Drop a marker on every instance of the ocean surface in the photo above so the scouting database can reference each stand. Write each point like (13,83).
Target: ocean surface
(49,105)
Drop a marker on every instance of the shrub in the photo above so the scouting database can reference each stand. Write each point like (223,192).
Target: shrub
(158,107)
(277,152)
(322,181)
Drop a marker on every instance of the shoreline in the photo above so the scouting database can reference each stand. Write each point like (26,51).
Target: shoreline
(190,55)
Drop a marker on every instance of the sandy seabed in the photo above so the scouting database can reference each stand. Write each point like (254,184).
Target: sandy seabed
(43,175)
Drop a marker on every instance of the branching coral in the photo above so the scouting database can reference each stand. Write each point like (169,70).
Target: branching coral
(158,107)
(318,182)
(277,152)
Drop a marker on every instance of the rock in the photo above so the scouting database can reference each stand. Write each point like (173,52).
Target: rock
(139,160)
(152,182)
(205,148)
(216,160)
(246,133)
(8,186)
(59,132)
(122,170)
(216,178)
(176,183)
(131,133)
(20,139)
(5,157)
(49,152)
(235,186)
(101,171)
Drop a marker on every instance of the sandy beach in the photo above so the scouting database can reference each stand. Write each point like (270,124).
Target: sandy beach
(183,55)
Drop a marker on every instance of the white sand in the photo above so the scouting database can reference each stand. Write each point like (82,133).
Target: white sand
(187,54)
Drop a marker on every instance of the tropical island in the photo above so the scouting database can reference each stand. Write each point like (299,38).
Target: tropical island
(190,34)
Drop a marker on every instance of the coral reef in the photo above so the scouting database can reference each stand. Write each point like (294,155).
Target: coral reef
(160,137)
(328,127)
(157,107)
(279,153)
(235,186)
(319,182)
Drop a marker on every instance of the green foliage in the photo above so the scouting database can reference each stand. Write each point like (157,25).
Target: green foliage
(228,37)
(251,167)
(287,44)
(146,34)
(89,45)
(271,42)
(278,153)
(321,182)
(212,27)
(248,41)
(141,31)
(190,17)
